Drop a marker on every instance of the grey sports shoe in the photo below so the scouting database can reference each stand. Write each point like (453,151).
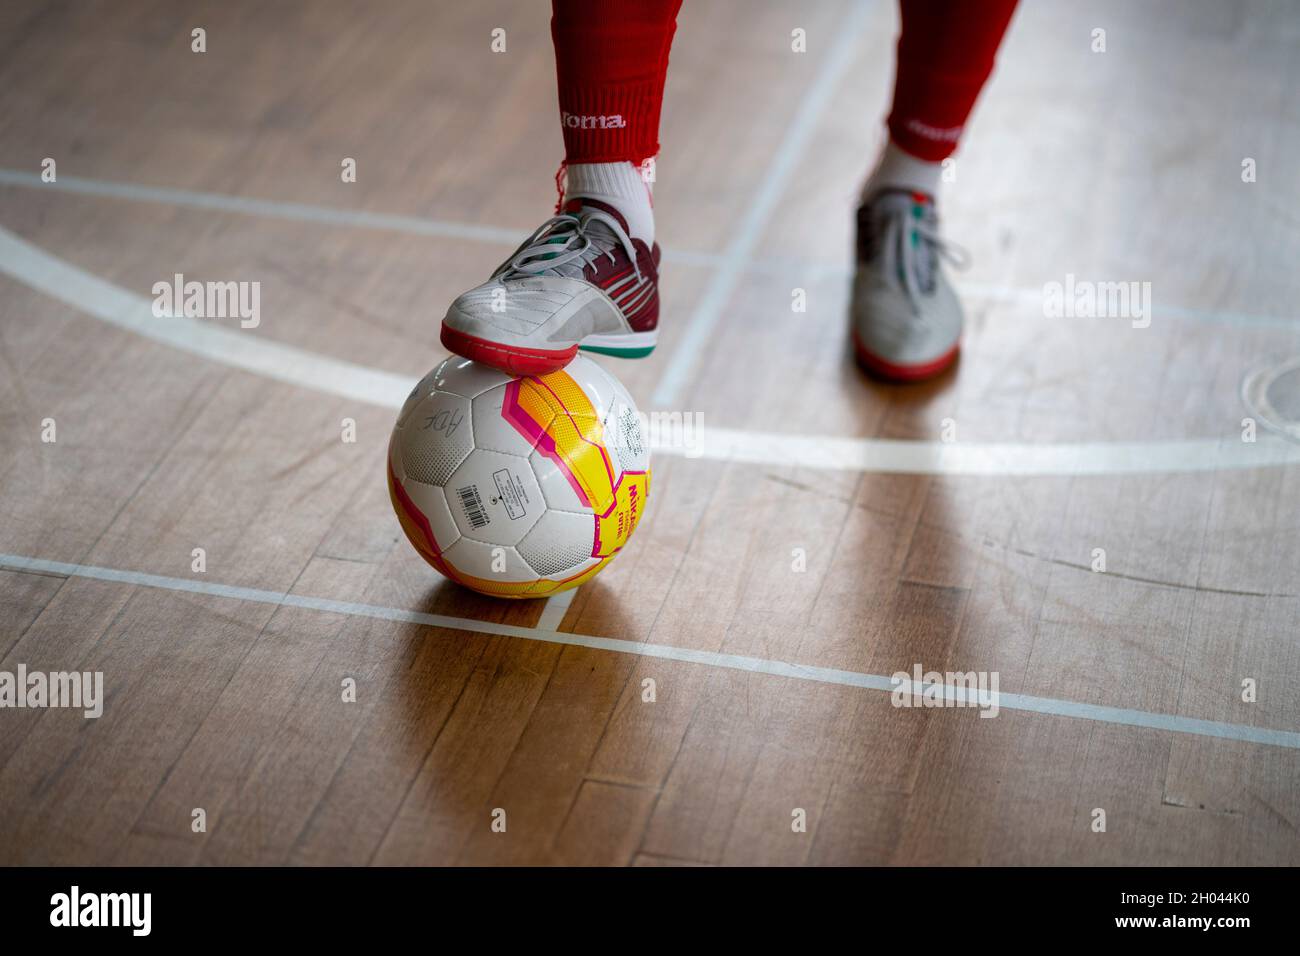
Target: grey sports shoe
(579,281)
(906,318)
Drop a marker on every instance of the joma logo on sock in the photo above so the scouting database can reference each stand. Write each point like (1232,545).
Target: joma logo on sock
(209,300)
(103,909)
(573,121)
(940,135)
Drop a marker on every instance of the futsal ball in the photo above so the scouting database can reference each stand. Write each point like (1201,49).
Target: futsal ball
(518,487)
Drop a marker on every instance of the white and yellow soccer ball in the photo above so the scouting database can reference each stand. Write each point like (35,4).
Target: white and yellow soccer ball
(519,487)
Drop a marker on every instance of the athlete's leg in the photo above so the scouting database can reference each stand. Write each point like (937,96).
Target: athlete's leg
(588,278)
(611,60)
(906,317)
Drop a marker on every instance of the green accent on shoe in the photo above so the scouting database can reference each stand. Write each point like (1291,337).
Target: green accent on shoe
(639,352)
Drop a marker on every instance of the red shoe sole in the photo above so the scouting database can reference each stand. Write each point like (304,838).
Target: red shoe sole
(507,358)
(902,373)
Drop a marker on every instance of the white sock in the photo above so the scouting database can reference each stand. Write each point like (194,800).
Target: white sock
(619,184)
(898,169)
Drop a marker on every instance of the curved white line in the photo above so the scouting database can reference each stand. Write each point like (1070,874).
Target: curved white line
(1255,393)
(808,270)
(247,350)
(32,266)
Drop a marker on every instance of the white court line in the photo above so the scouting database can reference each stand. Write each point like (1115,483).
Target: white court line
(1031,298)
(800,130)
(275,209)
(553,612)
(299,212)
(807,270)
(756,665)
(255,352)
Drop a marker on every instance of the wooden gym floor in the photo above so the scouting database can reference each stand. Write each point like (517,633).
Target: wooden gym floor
(1071,435)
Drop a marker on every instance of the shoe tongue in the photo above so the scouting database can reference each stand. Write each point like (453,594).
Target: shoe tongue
(897,194)
(914,204)
(911,205)
(575,206)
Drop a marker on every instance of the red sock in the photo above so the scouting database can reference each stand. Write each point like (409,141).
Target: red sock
(945,54)
(611,58)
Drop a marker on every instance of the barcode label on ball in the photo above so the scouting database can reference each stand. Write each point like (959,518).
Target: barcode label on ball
(473,505)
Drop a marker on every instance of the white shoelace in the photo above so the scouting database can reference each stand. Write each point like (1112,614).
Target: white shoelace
(564,245)
(916,244)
